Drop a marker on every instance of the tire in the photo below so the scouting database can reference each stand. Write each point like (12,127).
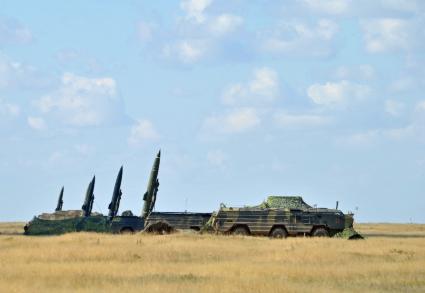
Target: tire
(278,232)
(127,231)
(320,232)
(241,231)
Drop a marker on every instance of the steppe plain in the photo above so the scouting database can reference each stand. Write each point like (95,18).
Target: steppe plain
(390,259)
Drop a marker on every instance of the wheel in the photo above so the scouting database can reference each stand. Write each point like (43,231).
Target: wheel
(126,231)
(278,232)
(240,230)
(320,232)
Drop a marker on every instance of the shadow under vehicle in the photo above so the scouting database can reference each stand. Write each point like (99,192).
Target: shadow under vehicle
(282,216)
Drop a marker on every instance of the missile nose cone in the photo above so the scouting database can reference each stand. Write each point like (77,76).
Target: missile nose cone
(159,153)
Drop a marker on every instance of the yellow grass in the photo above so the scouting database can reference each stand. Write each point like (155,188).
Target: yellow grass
(182,262)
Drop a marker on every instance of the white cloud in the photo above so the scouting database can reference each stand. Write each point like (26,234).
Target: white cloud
(196,36)
(14,74)
(301,39)
(36,123)
(195,9)
(216,158)
(394,108)
(401,5)
(362,139)
(414,130)
(142,132)
(360,72)
(386,34)
(11,31)
(83,149)
(82,101)
(264,87)
(420,107)
(337,93)
(144,31)
(8,109)
(328,6)
(236,121)
(225,23)
(187,51)
(283,119)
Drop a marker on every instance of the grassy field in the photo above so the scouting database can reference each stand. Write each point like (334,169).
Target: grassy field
(391,259)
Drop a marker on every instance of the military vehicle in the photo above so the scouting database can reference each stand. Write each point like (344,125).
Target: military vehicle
(282,216)
(61,222)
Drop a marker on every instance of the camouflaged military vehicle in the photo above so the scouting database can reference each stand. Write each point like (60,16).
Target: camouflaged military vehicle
(61,222)
(282,216)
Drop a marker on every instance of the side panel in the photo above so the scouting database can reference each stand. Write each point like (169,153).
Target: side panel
(126,222)
(180,220)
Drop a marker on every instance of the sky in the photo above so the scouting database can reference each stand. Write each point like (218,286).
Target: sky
(318,98)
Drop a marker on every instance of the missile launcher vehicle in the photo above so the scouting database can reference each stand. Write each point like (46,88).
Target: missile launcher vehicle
(61,222)
(283,216)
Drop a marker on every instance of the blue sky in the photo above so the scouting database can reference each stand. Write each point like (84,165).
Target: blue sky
(322,99)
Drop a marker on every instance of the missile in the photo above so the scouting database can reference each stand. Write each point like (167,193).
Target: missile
(88,201)
(60,201)
(116,196)
(150,195)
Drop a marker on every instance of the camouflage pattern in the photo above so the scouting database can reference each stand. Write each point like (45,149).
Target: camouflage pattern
(281,221)
(65,222)
(60,201)
(85,220)
(290,202)
(193,221)
(73,223)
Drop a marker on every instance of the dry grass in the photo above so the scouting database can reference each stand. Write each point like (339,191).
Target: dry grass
(182,262)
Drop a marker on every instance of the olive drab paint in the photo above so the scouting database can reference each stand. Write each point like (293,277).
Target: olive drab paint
(152,188)
(89,199)
(116,196)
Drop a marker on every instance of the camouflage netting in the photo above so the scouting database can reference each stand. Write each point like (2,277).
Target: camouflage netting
(348,233)
(63,215)
(289,202)
(49,225)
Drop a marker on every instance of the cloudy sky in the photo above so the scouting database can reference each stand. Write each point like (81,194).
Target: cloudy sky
(319,98)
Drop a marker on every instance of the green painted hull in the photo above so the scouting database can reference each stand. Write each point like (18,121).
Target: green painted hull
(55,227)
